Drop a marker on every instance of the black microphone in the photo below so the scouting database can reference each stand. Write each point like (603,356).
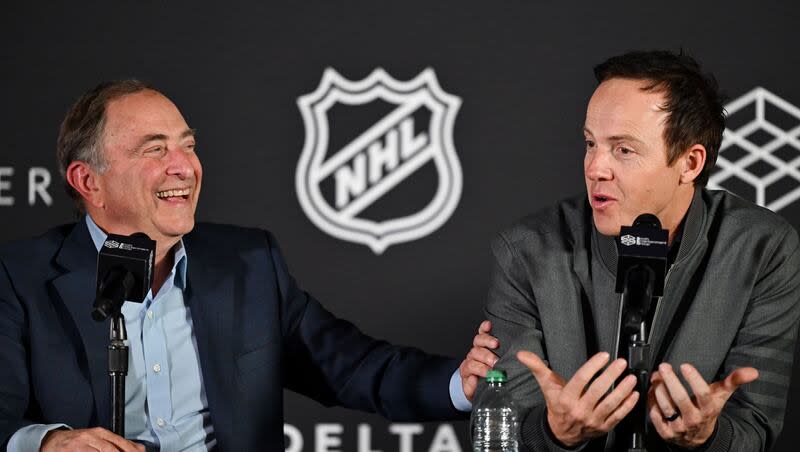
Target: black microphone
(641,269)
(124,272)
(643,246)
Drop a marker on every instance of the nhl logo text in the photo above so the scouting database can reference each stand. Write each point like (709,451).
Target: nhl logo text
(416,132)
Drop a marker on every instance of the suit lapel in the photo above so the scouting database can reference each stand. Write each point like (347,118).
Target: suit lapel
(210,296)
(76,288)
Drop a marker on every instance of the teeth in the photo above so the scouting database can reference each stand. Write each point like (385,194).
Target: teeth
(172,193)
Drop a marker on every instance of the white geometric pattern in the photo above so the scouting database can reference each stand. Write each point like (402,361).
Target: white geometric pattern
(727,168)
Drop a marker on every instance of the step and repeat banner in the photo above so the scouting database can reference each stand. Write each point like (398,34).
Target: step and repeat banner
(385,143)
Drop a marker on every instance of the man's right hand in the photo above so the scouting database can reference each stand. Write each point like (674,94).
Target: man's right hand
(90,439)
(576,410)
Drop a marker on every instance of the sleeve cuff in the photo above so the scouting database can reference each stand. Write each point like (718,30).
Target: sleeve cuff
(460,401)
(721,439)
(30,437)
(536,435)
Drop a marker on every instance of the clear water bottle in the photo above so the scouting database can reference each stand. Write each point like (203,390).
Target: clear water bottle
(494,418)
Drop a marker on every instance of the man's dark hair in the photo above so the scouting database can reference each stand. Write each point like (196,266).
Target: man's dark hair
(81,134)
(693,100)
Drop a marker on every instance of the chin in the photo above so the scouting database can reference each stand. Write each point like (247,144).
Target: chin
(606,227)
(177,228)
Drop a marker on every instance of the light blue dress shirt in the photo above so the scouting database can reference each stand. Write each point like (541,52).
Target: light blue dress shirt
(165,401)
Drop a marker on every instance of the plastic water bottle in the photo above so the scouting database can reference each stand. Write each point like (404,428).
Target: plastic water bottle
(494,417)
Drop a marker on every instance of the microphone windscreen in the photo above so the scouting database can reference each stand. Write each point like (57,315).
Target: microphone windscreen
(647,220)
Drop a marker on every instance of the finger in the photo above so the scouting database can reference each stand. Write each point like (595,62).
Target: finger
(621,411)
(655,377)
(665,403)
(473,368)
(662,426)
(677,392)
(550,382)
(576,385)
(602,384)
(700,389)
(485,327)
(617,397)
(114,442)
(485,341)
(482,355)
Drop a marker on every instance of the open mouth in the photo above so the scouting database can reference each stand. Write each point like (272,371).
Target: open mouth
(599,201)
(175,194)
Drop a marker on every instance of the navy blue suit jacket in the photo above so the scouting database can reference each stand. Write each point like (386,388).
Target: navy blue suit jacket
(256,331)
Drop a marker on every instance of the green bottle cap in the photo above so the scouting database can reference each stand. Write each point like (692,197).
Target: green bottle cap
(496,376)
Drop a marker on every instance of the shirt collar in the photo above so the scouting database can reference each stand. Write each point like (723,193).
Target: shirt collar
(178,267)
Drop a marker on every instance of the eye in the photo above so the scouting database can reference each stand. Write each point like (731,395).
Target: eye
(589,144)
(154,151)
(625,151)
(190,147)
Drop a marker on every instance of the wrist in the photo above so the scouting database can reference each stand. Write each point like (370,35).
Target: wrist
(560,440)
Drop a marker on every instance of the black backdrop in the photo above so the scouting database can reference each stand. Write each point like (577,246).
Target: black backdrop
(521,68)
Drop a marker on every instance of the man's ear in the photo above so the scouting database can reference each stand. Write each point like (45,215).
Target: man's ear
(83,179)
(692,162)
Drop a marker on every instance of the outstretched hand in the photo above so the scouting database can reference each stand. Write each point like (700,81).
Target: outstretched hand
(690,421)
(578,411)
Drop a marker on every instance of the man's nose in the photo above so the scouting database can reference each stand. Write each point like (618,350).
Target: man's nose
(179,163)
(598,165)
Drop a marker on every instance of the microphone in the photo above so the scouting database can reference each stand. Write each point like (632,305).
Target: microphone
(641,268)
(124,272)
(642,263)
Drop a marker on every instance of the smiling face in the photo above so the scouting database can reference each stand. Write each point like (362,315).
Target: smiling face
(153,176)
(625,166)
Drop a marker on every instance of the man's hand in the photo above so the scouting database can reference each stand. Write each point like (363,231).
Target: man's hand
(90,439)
(693,418)
(576,410)
(479,359)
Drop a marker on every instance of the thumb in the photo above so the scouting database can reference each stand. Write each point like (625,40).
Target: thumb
(738,377)
(468,386)
(547,379)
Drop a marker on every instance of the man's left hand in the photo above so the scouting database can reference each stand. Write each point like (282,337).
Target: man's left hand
(479,359)
(690,421)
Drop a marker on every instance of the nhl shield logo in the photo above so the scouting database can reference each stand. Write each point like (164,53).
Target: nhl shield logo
(378,166)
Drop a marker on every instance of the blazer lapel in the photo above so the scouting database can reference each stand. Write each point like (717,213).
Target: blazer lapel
(76,288)
(210,296)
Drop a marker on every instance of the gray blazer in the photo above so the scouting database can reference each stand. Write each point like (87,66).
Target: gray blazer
(731,300)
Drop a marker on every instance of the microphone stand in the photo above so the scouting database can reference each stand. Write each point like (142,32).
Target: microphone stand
(118,370)
(638,294)
(114,289)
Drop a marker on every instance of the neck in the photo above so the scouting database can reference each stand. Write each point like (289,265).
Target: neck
(672,221)
(165,255)
(165,259)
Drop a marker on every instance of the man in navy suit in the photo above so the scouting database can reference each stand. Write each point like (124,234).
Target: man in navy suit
(222,332)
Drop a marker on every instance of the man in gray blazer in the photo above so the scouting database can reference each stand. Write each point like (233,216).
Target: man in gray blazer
(723,334)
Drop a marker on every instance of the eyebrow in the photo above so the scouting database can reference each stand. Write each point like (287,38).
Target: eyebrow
(160,136)
(623,137)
